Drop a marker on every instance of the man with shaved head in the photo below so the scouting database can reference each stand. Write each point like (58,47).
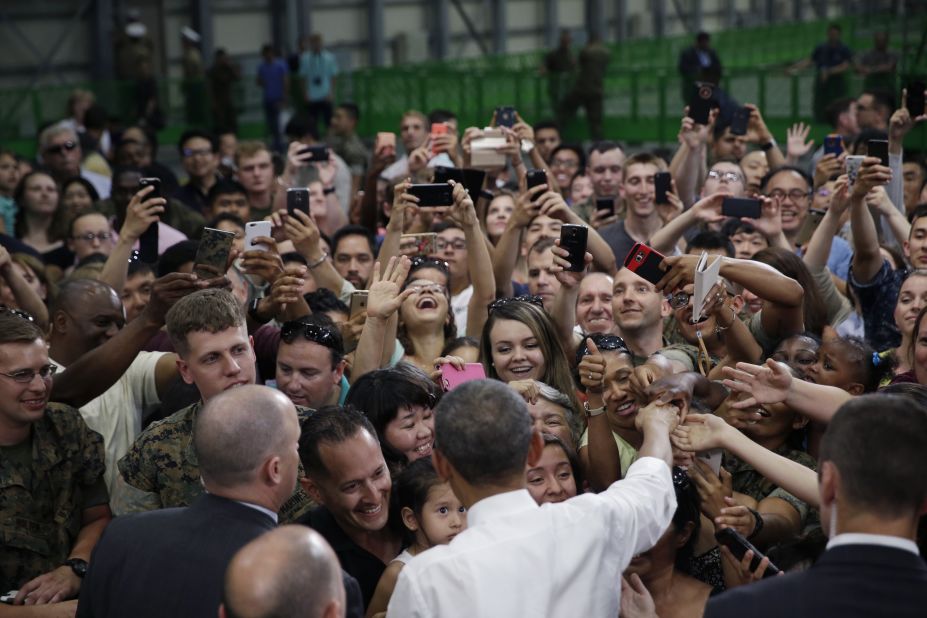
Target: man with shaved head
(291,572)
(171,562)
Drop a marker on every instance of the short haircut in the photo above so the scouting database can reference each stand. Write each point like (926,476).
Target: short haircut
(224,187)
(572,148)
(176,256)
(645,158)
(72,293)
(138,267)
(85,213)
(300,127)
(546,124)
(86,184)
(604,146)
(447,224)
(191,133)
(379,395)
(249,149)
(416,114)
(354,230)
(17,329)
(919,212)
(863,137)
(711,240)
(224,431)
(294,256)
(226,217)
(542,245)
(460,342)
(882,98)
(352,110)
(330,425)
(324,300)
(786,168)
(888,430)
(441,115)
(484,430)
(210,311)
(838,107)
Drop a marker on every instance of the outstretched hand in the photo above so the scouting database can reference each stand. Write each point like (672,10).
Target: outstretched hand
(764,384)
(386,294)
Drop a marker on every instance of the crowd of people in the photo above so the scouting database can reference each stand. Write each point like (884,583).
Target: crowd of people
(448,408)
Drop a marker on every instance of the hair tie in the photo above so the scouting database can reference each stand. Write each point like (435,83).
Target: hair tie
(876,359)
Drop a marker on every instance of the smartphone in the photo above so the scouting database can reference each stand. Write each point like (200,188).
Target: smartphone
(297,199)
(437,128)
(878,148)
(318,153)
(418,244)
(212,256)
(645,263)
(915,98)
(854,162)
(662,183)
(451,377)
(437,194)
(386,141)
(605,205)
(739,121)
(151,182)
(573,238)
(505,116)
(9,597)
(712,458)
(739,546)
(358,303)
(833,144)
(536,178)
(148,244)
(701,102)
(253,229)
(443,174)
(741,207)
(811,223)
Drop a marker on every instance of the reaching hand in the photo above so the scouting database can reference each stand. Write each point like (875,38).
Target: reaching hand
(871,174)
(386,294)
(769,383)
(680,271)
(770,222)
(798,144)
(736,516)
(700,432)
(528,389)
(712,488)
(636,601)
(302,231)
(462,211)
(663,414)
(592,369)
(708,209)
(642,377)
(568,279)
(827,166)
(141,213)
(288,288)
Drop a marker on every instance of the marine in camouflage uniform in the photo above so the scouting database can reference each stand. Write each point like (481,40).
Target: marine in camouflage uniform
(751,483)
(45,485)
(161,470)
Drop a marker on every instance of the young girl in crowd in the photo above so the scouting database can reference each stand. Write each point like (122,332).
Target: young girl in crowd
(431,515)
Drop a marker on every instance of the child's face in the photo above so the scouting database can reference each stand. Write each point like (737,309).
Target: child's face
(9,174)
(442,518)
(833,367)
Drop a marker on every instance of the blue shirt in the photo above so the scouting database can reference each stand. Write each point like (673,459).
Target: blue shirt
(841,253)
(318,71)
(827,56)
(8,213)
(272,76)
(877,298)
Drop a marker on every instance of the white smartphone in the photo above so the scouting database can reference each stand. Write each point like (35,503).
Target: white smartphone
(712,458)
(253,229)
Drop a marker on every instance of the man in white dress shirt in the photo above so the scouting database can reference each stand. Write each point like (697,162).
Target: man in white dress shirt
(519,559)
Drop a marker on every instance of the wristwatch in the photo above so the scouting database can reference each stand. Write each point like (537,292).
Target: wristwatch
(590,412)
(253,311)
(758,525)
(77,565)
(527,146)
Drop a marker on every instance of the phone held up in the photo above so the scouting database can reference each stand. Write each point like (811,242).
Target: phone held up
(645,263)
(573,238)
(433,195)
(212,256)
(148,241)
(297,199)
(741,207)
(662,184)
(739,546)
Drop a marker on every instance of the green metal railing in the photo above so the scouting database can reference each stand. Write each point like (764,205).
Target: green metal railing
(642,100)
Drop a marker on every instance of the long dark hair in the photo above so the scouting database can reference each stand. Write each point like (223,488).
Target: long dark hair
(813,308)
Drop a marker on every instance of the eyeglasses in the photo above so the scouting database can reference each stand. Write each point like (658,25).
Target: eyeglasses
(568,164)
(725,176)
(537,301)
(196,152)
(434,288)
(315,333)
(16,312)
(796,195)
(90,236)
(457,245)
(679,300)
(25,376)
(61,148)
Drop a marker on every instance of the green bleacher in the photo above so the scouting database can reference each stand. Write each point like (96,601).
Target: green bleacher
(642,86)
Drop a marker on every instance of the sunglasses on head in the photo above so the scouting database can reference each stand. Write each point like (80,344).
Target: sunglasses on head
(537,301)
(420,261)
(16,312)
(58,149)
(605,343)
(315,333)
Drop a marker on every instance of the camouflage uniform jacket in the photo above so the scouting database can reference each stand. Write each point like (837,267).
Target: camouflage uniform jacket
(41,507)
(162,462)
(749,482)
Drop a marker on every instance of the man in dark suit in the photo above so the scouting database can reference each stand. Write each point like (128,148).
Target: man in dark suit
(873,492)
(171,562)
(699,63)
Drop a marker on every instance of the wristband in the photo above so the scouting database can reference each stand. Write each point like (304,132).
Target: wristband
(253,312)
(768,145)
(328,191)
(758,526)
(590,412)
(318,262)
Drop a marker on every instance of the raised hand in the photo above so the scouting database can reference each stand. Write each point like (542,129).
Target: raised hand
(265,264)
(708,209)
(141,213)
(288,287)
(871,174)
(462,211)
(526,207)
(901,122)
(700,432)
(827,166)
(757,131)
(302,231)
(567,278)
(770,222)
(592,369)
(528,389)
(797,143)
(386,294)
(712,488)
(736,516)
(327,170)
(680,271)
(769,383)
(636,601)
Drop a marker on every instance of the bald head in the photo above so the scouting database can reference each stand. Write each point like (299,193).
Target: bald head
(288,572)
(239,432)
(75,293)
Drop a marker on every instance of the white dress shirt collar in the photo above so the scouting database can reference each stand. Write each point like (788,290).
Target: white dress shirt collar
(858,538)
(258,507)
(500,504)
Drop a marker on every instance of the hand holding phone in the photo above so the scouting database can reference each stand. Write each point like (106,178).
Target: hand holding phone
(385,144)
(740,121)
(741,207)
(739,546)
(505,116)
(358,303)
(662,184)
(297,199)
(914,98)
(573,238)
(432,195)
(703,99)
(645,263)
(833,144)
(253,229)
(451,377)
(212,255)
(536,178)
(317,153)
(878,148)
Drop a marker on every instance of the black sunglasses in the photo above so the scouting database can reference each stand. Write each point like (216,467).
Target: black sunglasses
(421,261)
(16,312)
(321,335)
(57,149)
(537,301)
